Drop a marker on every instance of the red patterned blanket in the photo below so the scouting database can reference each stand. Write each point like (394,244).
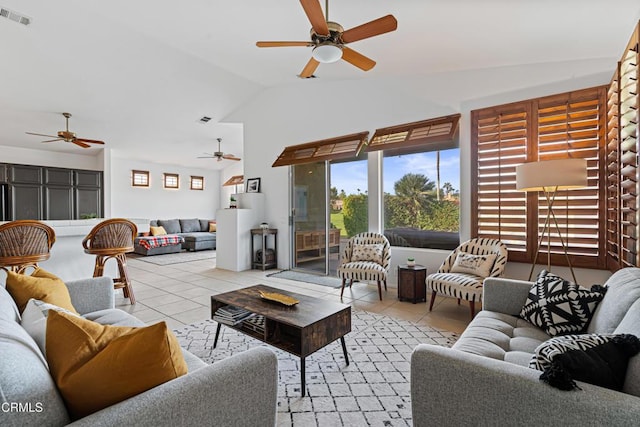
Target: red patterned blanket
(157,241)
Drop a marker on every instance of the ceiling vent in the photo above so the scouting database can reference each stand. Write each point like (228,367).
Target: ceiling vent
(14,16)
(204,119)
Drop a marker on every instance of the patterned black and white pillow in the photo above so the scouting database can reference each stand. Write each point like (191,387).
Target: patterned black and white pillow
(560,307)
(545,352)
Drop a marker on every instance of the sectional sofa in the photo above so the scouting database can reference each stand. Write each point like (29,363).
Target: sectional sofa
(239,390)
(194,232)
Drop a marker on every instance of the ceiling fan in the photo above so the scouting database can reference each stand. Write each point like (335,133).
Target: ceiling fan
(68,136)
(328,38)
(219,154)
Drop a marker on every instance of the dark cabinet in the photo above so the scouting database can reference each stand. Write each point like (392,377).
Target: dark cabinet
(88,179)
(88,203)
(412,283)
(21,174)
(26,201)
(58,177)
(36,192)
(58,202)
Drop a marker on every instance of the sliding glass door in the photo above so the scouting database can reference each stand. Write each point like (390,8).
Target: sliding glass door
(309,202)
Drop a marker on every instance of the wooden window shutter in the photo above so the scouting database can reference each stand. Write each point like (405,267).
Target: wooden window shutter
(612,168)
(629,121)
(553,127)
(500,141)
(433,134)
(343,147)
(573,125)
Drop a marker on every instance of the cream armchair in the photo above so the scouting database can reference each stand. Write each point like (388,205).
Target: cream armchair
(367,257)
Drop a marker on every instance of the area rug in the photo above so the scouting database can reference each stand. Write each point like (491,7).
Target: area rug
(332,282)
(373,390)
(177,258)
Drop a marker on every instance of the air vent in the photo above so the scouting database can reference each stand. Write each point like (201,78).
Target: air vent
(14,16)
(204,119)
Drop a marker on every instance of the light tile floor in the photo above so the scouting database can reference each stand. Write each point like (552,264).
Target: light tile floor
(181,294)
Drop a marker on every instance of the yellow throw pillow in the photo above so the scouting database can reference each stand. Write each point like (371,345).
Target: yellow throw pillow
(41,285)
(96,366)
(213,227)
(158,231)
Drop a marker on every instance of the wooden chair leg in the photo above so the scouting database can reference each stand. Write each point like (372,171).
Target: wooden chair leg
(380,290)
(385,284)
(350,283)
(344,281)
(98,269)
(127,289)
(458,301)
(433,298)
(472,305)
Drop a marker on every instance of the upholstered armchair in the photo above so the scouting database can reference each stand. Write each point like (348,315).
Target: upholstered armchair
(463,271)
(367,257)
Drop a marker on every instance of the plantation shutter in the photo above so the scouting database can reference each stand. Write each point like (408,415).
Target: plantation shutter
(612,169)
(572,125)
(554,127)
(342,147)
(501,142)
(629,120)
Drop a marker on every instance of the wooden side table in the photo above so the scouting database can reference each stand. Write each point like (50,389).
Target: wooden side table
(268,257)
(411,283)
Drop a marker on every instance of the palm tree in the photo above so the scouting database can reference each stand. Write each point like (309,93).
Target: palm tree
(416,190)
(438,175)
(447,188)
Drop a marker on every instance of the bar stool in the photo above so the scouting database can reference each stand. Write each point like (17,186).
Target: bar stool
(113,238)
(25,243)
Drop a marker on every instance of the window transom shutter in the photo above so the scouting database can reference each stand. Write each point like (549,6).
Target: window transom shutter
(343,147)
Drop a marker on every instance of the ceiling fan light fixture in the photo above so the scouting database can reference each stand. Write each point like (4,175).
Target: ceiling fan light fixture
(327,53)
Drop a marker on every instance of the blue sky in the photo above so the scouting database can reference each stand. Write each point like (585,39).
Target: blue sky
(353,175)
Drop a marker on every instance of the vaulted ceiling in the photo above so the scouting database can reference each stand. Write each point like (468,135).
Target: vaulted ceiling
(139,74)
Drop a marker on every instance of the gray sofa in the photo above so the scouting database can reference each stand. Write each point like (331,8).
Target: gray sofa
(195,233)
(238,391)
(484,379)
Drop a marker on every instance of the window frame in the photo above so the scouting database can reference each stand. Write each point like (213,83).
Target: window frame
(144,175)
(194,179)
(168,176)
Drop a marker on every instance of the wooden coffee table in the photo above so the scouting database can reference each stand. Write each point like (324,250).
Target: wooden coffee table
(301,329)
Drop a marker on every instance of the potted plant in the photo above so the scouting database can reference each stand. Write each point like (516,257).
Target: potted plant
(411,262)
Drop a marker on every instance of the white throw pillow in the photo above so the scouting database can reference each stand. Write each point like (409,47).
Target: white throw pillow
(371,252)
(478,265)
(34,320)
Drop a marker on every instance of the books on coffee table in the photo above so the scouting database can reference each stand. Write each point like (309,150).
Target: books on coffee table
(231,315)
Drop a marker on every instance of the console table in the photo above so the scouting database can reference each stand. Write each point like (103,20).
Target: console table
(310,245)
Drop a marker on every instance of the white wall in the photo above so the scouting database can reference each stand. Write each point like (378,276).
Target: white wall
(312,110)
(26,156)
(155,202)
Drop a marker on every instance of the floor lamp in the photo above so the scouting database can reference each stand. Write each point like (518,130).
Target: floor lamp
(549,177)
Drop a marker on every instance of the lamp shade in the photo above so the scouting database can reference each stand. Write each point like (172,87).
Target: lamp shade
(562,174)
(327,53)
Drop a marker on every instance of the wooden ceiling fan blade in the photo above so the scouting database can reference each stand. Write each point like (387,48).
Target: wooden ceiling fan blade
(230,157)
(314,12)
(283,44)
(309,69)
(370,29)
(80,143)
(357,59)
(53,140)
(41,134)
(90,141)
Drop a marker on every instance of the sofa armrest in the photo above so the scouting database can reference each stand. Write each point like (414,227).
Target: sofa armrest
(451,387)
(93,294)
(241,390)
(504,295)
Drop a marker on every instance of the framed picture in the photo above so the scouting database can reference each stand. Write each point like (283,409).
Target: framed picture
(253,185)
